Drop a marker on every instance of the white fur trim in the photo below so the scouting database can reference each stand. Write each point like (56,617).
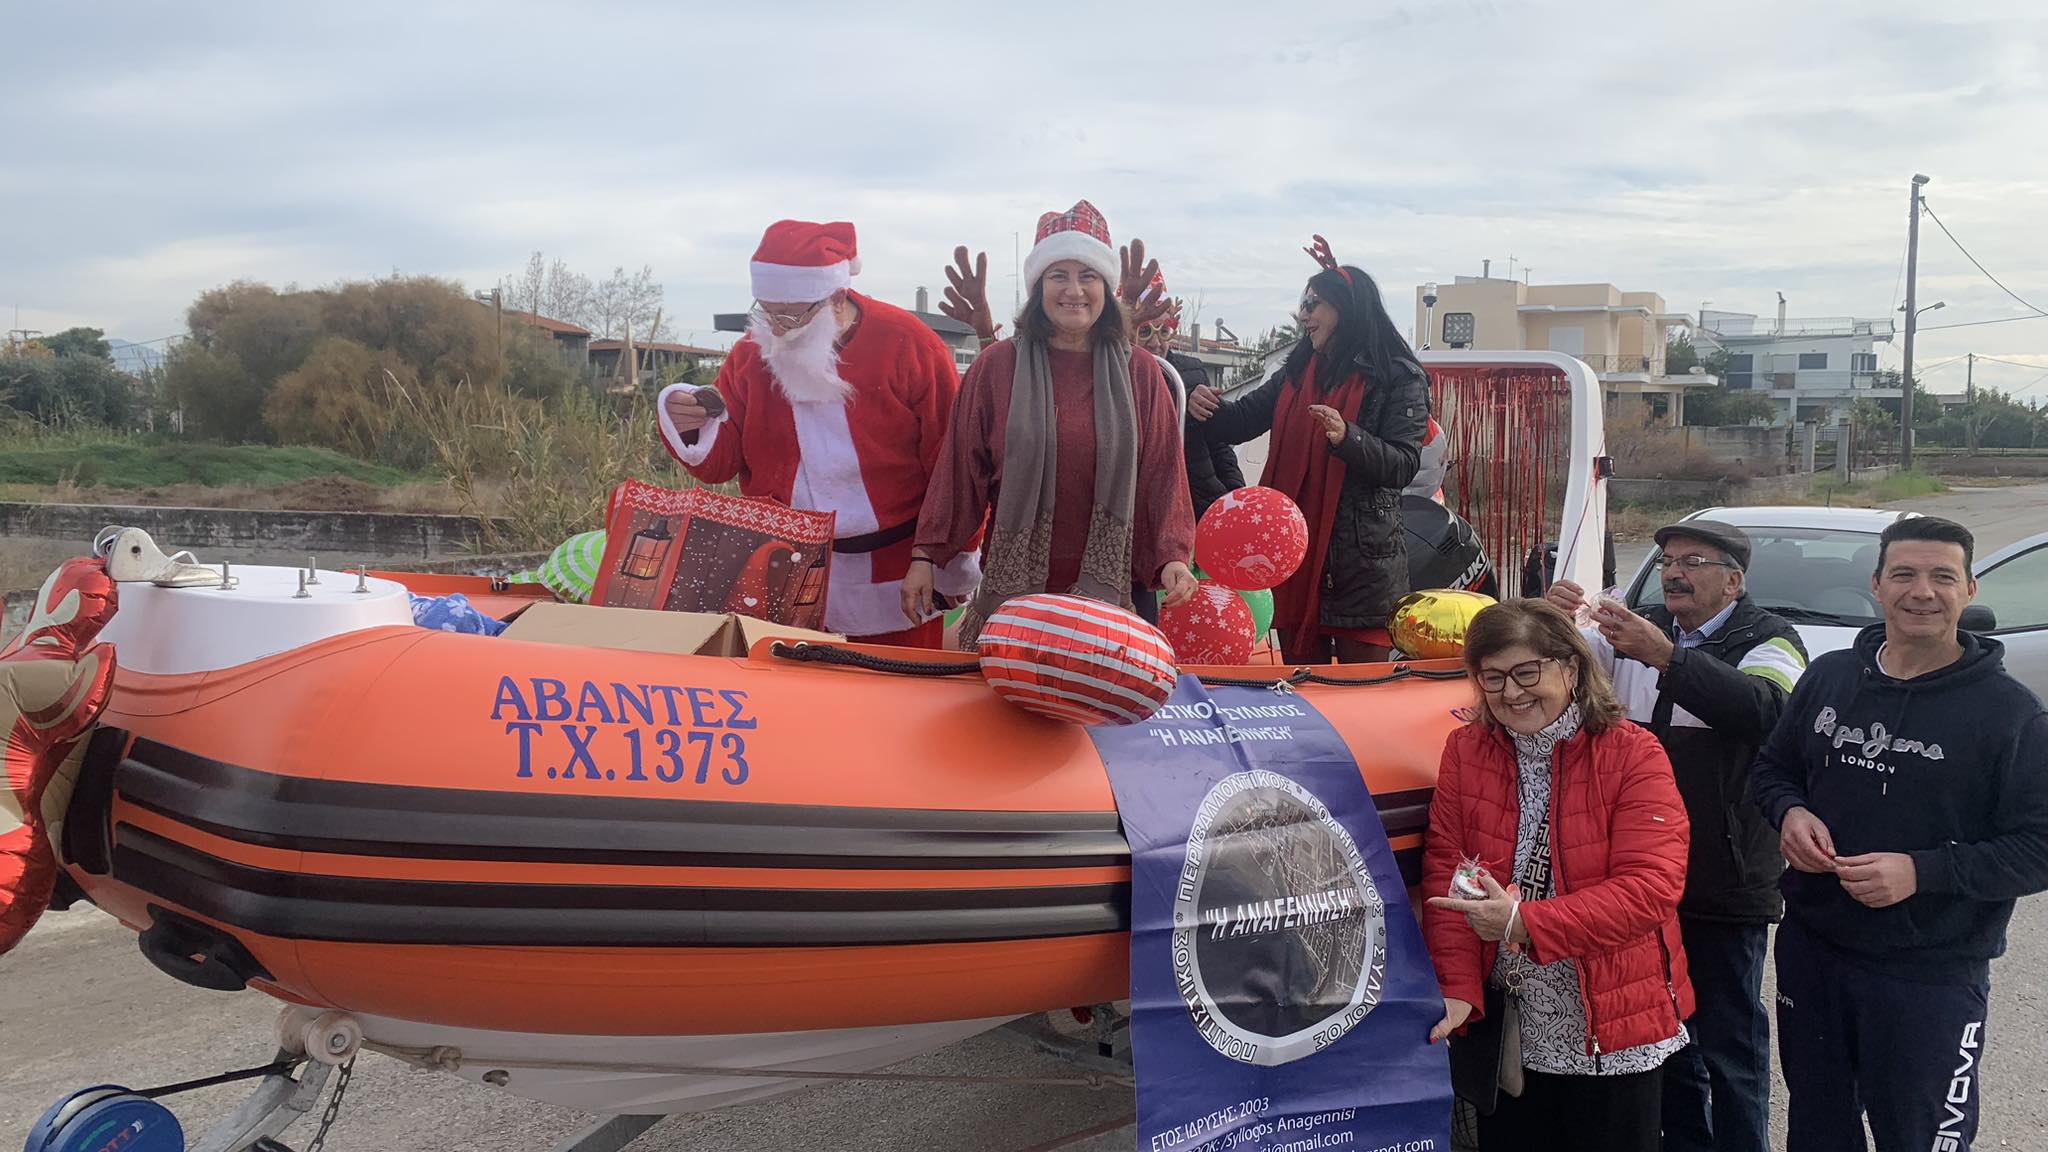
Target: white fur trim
(691,454)
(859,605)
(961,577)
(1071,246)
(828,476)
(796,284)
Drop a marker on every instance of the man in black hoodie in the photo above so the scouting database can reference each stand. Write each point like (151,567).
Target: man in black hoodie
(1909,783)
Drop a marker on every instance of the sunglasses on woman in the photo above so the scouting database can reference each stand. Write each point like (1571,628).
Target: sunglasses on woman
(1309,302)
(1492,680)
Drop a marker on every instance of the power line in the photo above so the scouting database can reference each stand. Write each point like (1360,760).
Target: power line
(1925,372)
(2009,363)
(1900,280)
(1980,267)
(1975,323)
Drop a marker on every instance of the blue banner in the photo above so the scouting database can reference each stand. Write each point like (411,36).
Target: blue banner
(1281,995)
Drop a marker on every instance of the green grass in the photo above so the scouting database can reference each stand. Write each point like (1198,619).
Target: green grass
(1883,490)
(133,462)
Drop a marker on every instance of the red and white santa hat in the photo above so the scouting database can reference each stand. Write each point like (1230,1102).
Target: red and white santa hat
(1080,233)
(799,262)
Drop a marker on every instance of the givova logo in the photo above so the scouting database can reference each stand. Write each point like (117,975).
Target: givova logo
(1949,1136)
(1279,938)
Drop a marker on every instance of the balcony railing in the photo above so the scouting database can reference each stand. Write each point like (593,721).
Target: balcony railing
(1797,327)
(1816,382)
(1640,365)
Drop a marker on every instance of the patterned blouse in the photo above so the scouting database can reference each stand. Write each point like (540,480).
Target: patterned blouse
(1553,1012)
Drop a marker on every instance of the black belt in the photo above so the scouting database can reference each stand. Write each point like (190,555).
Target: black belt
(875,541)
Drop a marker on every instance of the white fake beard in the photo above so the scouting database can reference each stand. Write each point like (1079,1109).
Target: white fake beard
(805,363)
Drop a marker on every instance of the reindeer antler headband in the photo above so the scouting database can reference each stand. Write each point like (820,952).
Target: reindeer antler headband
(1320,251)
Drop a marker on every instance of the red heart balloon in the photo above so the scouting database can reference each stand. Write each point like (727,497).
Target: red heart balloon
(1252,538)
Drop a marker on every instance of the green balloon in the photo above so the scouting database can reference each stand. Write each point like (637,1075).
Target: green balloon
(1260,601)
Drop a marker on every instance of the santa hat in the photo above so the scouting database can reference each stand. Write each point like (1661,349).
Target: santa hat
(1077,234)
(799,262)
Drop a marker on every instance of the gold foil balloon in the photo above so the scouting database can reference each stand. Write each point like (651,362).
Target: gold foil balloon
(1431,625)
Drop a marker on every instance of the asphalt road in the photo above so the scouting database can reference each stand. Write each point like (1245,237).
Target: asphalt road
(79,1006)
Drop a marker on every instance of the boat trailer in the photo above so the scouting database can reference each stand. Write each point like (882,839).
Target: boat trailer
(315,1047)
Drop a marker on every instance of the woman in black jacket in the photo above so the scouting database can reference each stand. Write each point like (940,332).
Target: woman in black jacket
(1347,413)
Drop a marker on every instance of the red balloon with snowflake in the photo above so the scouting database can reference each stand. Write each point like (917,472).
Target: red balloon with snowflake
(1214,626)
(1252,538)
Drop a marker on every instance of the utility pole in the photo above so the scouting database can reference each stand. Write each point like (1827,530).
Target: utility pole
(1912,319)
(498,310)
(1970,405)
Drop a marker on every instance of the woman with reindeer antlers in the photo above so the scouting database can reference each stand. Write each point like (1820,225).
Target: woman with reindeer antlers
(1347,413)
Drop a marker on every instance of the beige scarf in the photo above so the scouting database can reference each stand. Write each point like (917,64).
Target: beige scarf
(1020,540)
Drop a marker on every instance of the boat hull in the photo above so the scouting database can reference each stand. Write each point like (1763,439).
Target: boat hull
(512,837)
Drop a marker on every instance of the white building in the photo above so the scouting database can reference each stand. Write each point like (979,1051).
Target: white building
(1815,366)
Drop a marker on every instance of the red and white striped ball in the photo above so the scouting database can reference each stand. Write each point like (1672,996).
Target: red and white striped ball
(1075,659)
(1251,538)
(1214,626)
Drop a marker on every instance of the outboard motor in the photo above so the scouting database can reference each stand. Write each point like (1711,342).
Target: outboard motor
(1443,550)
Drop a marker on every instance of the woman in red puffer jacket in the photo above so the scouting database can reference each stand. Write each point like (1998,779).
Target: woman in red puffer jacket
(1593,952)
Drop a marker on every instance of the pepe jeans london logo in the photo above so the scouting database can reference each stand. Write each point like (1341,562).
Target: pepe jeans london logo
(1280,937)
(1869,749)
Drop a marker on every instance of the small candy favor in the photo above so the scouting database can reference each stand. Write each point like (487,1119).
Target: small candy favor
(1465,883)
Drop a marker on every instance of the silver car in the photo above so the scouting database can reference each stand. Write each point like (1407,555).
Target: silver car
(1813,567)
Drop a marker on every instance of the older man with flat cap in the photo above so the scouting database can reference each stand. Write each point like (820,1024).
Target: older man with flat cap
(1709,672)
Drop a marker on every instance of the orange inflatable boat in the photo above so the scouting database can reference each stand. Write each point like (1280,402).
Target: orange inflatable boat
(487,834)
(598,877)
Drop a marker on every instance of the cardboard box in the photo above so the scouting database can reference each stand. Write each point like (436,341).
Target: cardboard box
(642,630)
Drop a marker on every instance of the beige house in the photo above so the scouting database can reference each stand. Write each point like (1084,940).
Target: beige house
(1620,335)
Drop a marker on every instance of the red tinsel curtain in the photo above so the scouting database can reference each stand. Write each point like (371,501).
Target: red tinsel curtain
(1509,448)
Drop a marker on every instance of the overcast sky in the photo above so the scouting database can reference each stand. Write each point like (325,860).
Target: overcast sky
(1719,152)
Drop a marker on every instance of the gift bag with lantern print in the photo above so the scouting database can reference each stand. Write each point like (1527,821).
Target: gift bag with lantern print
(697,550)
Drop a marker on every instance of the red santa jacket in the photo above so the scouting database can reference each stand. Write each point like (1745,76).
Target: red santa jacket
(1618,849)
(868,458)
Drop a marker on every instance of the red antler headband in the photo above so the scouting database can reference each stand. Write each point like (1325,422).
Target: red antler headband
(1320,250)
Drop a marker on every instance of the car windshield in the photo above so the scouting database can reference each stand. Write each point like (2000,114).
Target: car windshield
(1807,575)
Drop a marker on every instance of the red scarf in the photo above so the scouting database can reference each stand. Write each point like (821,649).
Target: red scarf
(1300,462)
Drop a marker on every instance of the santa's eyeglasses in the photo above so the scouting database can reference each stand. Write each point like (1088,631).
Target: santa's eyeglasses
(785,321)
(1151,330)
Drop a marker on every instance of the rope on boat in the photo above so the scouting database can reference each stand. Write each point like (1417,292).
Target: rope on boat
(1400,672)
(805,652)
(447,1059)
(1277,684)
(1307,675)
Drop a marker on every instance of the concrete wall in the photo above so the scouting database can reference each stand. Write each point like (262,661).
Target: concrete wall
(335,533)
(1706,493)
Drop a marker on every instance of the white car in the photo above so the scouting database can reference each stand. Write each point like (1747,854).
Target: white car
(1813,567)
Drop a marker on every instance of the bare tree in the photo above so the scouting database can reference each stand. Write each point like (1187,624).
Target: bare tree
(625,300)
(550,289)
(522,290)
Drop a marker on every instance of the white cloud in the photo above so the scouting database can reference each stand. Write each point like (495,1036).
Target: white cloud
(1721,153)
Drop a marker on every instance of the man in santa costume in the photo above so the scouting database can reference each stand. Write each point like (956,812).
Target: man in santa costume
(835,402)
